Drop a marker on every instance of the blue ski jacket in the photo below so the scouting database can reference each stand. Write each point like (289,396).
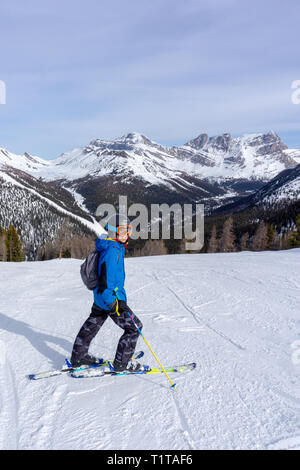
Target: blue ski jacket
(111,273)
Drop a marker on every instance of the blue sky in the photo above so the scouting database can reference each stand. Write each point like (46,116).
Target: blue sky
(75,71)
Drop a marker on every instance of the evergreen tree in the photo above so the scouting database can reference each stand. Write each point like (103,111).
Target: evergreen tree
(294,241)
(3,251)
(66,253)
(13,245)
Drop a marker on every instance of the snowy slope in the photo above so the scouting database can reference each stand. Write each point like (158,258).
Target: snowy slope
(7,180)
(236,314)
(285,187)
(26,162)
(38,210)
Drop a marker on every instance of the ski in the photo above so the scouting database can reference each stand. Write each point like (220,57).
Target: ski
(106,370)
(67,368)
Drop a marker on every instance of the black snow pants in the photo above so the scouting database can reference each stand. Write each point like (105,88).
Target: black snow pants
(94,322)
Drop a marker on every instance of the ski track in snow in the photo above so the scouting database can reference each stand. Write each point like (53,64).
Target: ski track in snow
(186,432)
(197,318)
(46,423)
(236,315)
(9,405)
(292,443)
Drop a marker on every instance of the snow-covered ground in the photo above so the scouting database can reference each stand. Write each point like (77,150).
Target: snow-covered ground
(237,315)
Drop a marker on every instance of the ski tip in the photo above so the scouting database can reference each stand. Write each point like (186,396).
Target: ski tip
(173,387)
(31,376)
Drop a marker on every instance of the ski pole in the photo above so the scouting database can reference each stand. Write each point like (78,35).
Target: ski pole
(163,369)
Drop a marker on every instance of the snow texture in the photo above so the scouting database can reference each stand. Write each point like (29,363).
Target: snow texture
(236,314)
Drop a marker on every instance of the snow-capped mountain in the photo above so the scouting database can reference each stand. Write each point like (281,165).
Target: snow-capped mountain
(26,162)
(251,157)
(212,170)
(132,155)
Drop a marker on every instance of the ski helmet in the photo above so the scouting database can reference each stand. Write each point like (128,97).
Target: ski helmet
(118,224)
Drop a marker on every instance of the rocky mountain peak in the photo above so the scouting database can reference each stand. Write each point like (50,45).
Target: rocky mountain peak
(218,143)
(268,143)
(136,138)
(199,142)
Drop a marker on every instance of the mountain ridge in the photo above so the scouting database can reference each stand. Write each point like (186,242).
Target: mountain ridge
(219,171)
(251,156)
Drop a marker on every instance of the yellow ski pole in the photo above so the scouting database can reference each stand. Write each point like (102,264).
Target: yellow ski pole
(173,385)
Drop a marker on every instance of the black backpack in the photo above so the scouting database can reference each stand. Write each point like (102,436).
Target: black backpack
(89,270)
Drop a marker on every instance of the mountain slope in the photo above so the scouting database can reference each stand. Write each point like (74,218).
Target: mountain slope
(284,187)
(26,162)
(236,315)
(212,170)
(281,191)
(38,210)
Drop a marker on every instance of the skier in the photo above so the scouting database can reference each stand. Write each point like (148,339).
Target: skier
(110,299)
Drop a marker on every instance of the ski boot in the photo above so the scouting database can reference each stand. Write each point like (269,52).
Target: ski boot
(131,367)
(86,360)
